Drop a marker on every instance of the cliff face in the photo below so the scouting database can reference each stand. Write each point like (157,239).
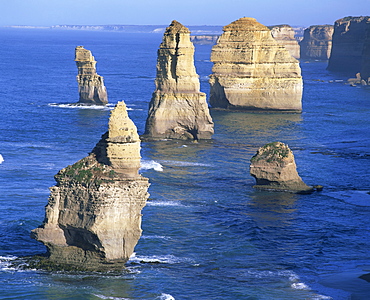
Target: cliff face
(90,85)
(177,110)
(93,216)
(284,34)
(253,71)
(274,168)
(365,66)
(348,44)
(317,42)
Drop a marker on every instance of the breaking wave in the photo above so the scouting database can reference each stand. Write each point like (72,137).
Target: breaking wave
(1,159)
(151,164)
(166,297)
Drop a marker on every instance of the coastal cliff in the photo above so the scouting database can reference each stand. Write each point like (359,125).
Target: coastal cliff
(348,43)
(91,87)
(365,66)
(253,71)
(317,42)
(284,34)
(93,216)
(177,110)
(274,168)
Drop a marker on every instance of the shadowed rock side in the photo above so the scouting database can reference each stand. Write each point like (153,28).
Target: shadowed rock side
(284,34)
(317,42)
(365,67)
(90,85)
(93,215)
(177,110)
(274,168)
(348,44)
(253,71)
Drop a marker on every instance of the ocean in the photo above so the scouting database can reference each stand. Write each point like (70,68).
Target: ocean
(207,234)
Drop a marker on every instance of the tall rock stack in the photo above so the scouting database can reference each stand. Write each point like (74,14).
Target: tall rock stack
(90,85)
(177,110)
(348,43)
(284,34)
(317,42)
(93,216)
(253,71)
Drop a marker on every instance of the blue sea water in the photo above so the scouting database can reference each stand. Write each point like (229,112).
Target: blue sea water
(207,234)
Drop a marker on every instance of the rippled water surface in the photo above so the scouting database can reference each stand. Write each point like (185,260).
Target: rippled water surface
(207,234)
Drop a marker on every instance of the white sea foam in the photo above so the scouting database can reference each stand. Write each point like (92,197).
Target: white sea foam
(1,159)
(163,203)
(72,105)
(151,164)
(163,259)
(160,237)
(166,297)
(5,262)
(178,163)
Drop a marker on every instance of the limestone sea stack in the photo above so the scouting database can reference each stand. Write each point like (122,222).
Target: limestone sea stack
(317,42)
(177,110)
(274,168)
(284,34)
(348,43)
(90,85)
(93,215)
(253,71)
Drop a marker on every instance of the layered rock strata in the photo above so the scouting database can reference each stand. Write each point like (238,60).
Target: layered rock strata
(284,34)
(274,168)
(317,42)
(253,71)
(93,216)
(177,110)
(90,85)
(348,44)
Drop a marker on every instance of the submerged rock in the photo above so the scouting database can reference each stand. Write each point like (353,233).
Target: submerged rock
(348,43)
(93,216)
(177,110)
(284,34)
(274,168)
(90,85)
(253,71)
(317,42)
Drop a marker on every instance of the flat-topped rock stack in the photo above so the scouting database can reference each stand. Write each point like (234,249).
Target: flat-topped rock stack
(274,168)
(284,34)
(317,42)
(348,44)
(91,87)
(253,71)
(177,110)
(93,216)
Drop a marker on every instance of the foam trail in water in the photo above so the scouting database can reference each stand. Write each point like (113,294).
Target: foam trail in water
(166,297)
(151,164)
(110,298)
(1,159)
(178,163)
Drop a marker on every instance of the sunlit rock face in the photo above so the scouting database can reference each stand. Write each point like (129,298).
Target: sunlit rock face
(317,42)
(90,85)
(348,44)
(274,168)
(284,34)
(253,71)
(177,110)
(93,216)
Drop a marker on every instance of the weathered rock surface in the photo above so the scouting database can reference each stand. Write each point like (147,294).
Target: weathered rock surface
(317,42)
(348,44)
(284,34)
(90,85)
(253,71)
(274,168)
(177,110)
(93,215)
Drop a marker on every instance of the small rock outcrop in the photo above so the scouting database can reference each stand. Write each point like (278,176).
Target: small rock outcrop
(93,216)
(274,168)
(348,44)
(317,42)
(284,34)
(177,110)
(253,71)
(90,85)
